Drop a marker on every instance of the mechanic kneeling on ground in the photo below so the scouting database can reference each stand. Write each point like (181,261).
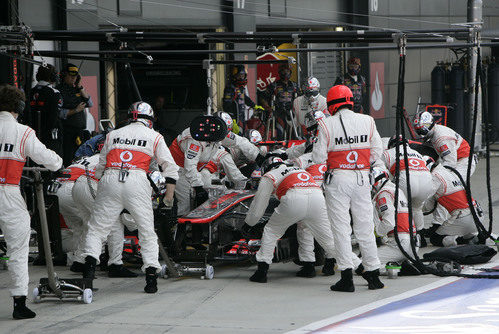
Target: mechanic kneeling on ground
(18,142)
(419,175)
(62,188)
(449,194)
(124,161)
(383,193)
(83,194)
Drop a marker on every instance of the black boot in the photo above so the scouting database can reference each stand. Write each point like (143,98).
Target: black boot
(328,269)
(117,270)
(260,275)
(359,270)
(308,270)
(372,278)
(103,258)
(151,280)
(60,260)
(345,284)
(89,270)
(77,267)
(20,309)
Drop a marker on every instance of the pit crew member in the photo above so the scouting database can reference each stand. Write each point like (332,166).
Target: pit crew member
(420,176)
(18,142)
(384,201)
(350,143)
(459,228)
(301,200)
(123,164)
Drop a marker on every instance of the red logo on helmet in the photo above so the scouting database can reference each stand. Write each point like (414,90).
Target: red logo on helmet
(194,147)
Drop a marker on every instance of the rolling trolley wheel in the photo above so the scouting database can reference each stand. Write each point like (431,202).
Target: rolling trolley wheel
(209,272)
(36,295)
(87,296)
(163,271)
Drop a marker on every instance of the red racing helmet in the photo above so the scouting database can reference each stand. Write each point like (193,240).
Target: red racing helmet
(338,96)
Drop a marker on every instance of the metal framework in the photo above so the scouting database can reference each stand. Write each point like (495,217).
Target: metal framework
(19,43)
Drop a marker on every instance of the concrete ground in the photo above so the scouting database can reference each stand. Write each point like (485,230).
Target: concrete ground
(227,304)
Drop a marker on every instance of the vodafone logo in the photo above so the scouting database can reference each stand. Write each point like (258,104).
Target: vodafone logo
(414,162)
(303,177)
(126,156)
(322,169)
(352,157)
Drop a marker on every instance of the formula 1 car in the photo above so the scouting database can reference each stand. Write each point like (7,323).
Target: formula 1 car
(221,218)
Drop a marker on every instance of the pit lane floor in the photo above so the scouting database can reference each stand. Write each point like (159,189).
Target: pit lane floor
(230,303)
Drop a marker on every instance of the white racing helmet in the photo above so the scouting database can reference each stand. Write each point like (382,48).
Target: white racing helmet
(226,118)
(254,136)
(312,89)
(423,123)
(377,177)
(141,112)
(271,163)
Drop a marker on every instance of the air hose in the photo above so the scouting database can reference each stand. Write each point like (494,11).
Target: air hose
(400,132)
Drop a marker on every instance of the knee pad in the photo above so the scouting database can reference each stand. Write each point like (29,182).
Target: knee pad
(449,240)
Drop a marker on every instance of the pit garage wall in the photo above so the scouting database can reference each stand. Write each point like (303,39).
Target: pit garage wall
(230,15)
(323,13)
(435,14)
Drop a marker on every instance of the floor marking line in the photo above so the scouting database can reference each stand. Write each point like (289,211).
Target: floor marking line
(316,326)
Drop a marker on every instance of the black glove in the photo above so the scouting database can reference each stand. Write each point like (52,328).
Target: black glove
(62,173)
(169,214)
(283,156)
(200,195)
(246,231)
(260,159)
(309,147)
(433,229)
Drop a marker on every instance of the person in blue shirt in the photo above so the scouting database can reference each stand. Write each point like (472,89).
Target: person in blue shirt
(90,147)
